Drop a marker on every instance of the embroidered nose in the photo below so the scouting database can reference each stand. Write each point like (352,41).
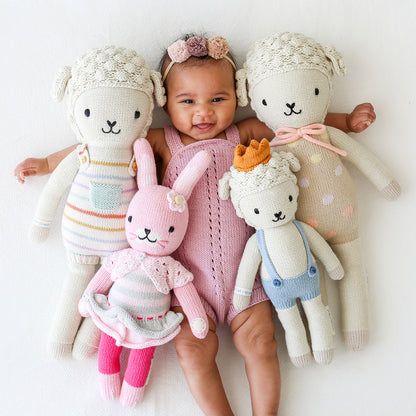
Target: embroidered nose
(278,214)
(291,106)
(111,124)
(147,231)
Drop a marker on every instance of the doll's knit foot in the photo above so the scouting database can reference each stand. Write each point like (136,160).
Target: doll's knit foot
(324,357)
(110,386)
(58,350)
(301,360)
(356,340)
(130,396)
(83,351)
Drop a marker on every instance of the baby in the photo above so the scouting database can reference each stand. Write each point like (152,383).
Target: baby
(199,77)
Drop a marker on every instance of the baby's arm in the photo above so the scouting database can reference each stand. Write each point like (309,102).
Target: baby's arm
(361,117)
(323,252)
(367,163)
(35,167)
(249,265)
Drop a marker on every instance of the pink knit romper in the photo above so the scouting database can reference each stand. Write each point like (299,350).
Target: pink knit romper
(216,237)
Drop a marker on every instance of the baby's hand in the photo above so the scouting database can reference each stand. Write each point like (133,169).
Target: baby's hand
(361,117)
(31,167)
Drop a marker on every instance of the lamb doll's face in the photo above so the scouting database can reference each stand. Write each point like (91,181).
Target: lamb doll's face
(292,99)
(271,207)
(111,115)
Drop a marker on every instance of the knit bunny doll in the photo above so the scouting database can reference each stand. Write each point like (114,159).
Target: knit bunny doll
(263,191)
(289,79)
(110,102)
(135,313)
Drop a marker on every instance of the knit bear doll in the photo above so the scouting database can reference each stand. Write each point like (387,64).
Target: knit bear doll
(289,78)
(136,312)
(263,191)
(110,101)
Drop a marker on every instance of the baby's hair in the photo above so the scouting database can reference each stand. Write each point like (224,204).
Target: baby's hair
(193,60)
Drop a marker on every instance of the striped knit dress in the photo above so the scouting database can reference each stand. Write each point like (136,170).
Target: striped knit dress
(95,210)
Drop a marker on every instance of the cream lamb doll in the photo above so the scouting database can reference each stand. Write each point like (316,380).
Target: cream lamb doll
(136,313)
(263,191)
(110,103)
(289,78)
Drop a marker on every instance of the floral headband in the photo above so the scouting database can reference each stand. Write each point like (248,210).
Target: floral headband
(181,50)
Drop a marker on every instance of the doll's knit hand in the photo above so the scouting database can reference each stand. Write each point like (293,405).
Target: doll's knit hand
(392,191)
(337,273)
(83,307)
(240,301)
(361,117)
(37,233)
(199,327)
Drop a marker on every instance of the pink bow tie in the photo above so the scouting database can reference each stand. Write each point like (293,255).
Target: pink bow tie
(287,135)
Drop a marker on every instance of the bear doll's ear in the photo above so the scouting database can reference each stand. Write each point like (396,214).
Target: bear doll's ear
(241,87)
(338,65)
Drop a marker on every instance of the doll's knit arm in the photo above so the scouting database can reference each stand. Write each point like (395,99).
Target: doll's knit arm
(321,249)
(247,270)
(48,202)
(367,163)
(192,306)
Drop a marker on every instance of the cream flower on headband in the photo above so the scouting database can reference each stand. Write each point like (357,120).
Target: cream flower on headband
(177,202)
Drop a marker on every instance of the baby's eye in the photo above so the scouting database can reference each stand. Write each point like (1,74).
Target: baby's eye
(217,99)
(87,112)
(188,101)
(316,91)
(137,114)
(256,211)
(264,102)
(171,229)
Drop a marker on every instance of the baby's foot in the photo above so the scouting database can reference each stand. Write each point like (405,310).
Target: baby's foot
(130,396)
(110,386)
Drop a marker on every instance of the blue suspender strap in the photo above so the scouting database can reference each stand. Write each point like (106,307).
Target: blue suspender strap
(311,264)
(261,242)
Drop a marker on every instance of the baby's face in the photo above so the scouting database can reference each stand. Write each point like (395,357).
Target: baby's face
(201,98)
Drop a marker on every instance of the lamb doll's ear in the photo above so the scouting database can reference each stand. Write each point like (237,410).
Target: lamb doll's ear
(158,88)
(60,83)
(241,87)
(145,160)
(193,171)
(224,186)
(291,159)
(336,59)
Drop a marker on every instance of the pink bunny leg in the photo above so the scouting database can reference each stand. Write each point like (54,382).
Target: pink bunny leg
(137,372)
(109,367)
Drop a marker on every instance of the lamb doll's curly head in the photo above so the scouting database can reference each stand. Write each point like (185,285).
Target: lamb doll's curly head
(103,86)
(262,178)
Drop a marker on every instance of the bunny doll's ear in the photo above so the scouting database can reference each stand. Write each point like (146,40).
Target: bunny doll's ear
(193,171)
(241,87)
(158,88)
(146,167)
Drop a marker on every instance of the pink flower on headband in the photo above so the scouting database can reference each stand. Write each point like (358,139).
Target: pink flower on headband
(178,51)
(197,46)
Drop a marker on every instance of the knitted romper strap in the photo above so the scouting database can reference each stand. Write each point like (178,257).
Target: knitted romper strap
(175,144)
(261,242)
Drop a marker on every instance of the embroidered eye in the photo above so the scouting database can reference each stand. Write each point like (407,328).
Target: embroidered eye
(256,211)
(130,218)
(290,198)
(171,229)
(137,114)
(316,91)
(264,102)
(87,112)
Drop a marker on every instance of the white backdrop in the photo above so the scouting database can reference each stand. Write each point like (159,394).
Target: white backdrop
(377,41)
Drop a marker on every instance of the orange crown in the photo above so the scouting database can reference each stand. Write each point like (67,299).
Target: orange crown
(247,158)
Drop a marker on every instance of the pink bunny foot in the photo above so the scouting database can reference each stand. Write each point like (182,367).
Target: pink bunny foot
(110,386)
(131,396)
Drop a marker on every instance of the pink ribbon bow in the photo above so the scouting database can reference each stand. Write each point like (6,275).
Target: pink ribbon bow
(287,135)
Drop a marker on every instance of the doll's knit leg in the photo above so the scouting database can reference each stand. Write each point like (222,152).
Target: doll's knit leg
(109,367)
(320,327)
(136,376)
(67,319)
(295,334)
(353,294)
(86,340)
(253,334)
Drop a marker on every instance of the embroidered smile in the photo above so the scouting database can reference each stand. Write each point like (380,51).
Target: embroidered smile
(278,217)
(111,125)
(292,109)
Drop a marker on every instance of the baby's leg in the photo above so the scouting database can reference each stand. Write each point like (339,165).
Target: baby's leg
(254,339)
(67,318)
(135,378)
(109,367)
(197,359)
